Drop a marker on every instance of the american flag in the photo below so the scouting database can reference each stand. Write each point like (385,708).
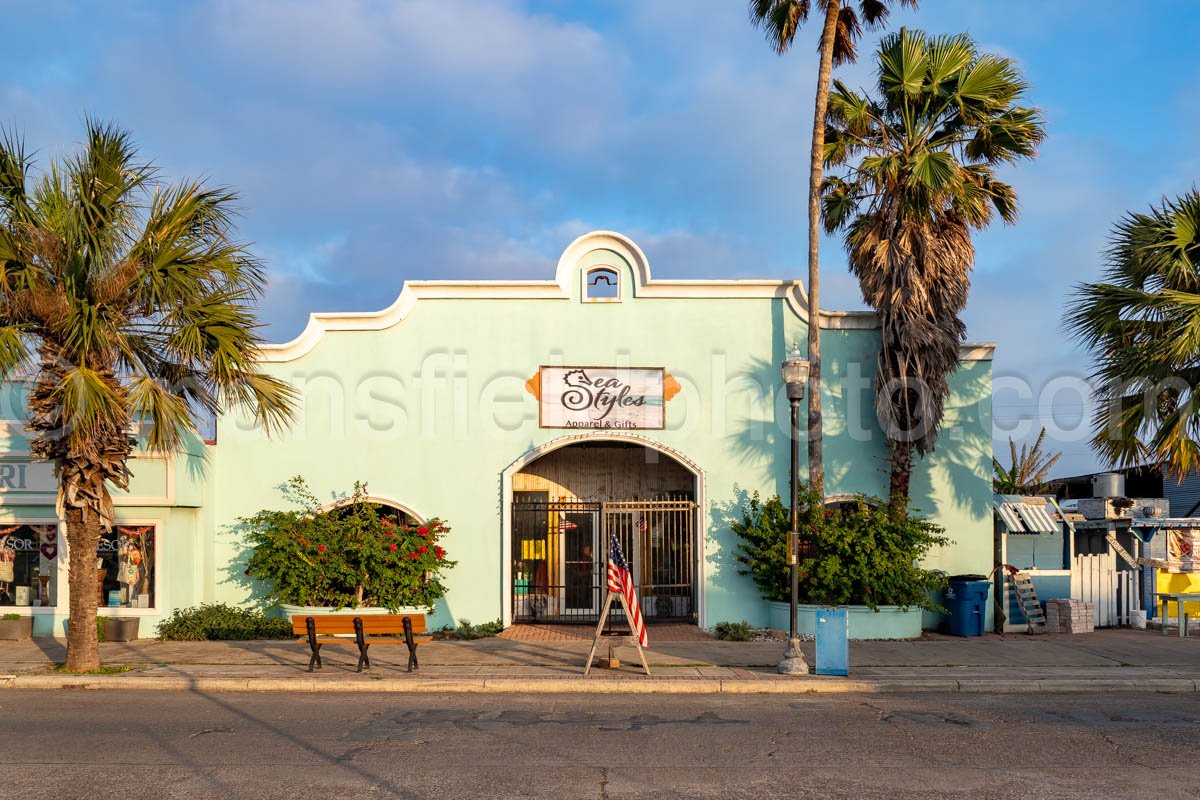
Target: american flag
(620,580)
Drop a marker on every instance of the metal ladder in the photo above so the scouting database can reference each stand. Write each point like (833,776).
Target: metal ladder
(1028,600)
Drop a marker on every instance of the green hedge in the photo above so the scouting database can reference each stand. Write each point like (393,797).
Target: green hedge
(217,621)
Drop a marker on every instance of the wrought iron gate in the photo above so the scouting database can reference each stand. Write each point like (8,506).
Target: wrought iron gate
(560,557)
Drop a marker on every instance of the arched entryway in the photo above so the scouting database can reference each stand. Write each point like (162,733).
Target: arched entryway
(564,503)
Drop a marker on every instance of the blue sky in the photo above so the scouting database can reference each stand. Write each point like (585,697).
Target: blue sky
(378,141)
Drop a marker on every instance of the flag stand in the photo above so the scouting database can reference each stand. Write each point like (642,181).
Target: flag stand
(612,639)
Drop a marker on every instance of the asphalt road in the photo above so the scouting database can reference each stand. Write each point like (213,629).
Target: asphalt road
(133,745)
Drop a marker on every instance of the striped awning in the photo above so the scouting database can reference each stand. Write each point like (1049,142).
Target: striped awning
(1026,518)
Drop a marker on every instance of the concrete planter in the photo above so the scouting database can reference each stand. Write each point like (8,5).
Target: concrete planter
(121,629)
(889,622)
(16,629)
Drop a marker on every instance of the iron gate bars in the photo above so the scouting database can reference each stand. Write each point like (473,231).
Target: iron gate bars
(560,554)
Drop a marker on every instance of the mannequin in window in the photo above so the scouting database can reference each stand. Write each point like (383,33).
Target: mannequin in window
(131,567)
(8,558)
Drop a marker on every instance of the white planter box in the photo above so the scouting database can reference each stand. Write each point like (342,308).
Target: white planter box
(318,611)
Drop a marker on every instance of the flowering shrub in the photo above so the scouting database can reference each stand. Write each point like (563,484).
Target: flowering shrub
(345,557)
(860,554)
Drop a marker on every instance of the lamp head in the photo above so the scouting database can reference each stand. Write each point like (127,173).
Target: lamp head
(795,373)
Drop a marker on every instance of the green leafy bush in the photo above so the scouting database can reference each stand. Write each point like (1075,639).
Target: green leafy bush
(465,630)
(345,557)
(733,631)
(861,554)
(217,621)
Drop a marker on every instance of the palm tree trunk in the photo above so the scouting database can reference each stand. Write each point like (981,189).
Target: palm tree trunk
(900,478)
(816,448)
(83,538)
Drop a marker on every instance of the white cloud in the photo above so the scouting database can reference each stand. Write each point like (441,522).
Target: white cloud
(484,63)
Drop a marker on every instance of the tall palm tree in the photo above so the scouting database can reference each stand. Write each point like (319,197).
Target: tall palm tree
(1142,325)
(126,303)
(920,164)
(1029,469)
(780,19)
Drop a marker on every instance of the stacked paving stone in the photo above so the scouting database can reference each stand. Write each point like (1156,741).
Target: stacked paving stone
(1070,616)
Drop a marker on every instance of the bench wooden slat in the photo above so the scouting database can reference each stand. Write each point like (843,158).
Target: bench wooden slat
(422,639)
(372,623)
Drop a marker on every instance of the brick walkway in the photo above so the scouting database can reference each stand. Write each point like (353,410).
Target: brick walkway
(667,632)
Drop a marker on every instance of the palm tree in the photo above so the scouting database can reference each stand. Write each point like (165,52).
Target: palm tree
(1142,325)
(925,151)
(127,304)
(780,19)
(1027,475)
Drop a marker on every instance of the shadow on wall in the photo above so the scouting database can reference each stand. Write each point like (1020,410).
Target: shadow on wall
(251,592)
(722,561)
(962,457)
(757,439)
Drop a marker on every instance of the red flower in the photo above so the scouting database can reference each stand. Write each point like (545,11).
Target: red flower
(391,547)
(422,531)
(321,548)
(422,549)
(413,556)
(441,551)
(388,533)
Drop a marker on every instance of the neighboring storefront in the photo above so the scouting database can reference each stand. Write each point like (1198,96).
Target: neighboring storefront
(537,418)
(149,563)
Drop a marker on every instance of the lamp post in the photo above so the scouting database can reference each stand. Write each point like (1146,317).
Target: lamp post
(795,376)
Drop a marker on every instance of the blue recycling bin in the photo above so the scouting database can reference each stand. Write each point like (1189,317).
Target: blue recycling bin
(833,642)
(966,600)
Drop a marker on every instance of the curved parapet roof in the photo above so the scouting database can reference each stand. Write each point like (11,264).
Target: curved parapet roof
(560,289)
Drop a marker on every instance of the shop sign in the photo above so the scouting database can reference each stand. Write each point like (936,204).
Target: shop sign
(27,477)
(601,397)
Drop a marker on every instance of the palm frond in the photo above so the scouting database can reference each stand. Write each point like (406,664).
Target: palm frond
(1141,324)
(779,20)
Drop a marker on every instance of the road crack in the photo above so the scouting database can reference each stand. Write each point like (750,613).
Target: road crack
(1120,751)
(210,730)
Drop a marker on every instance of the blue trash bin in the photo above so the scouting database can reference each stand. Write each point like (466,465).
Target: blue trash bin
(966,600)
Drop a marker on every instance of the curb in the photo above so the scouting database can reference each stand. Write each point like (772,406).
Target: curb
(809,685)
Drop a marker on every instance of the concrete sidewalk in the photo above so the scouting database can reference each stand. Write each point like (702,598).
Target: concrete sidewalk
(1115,660)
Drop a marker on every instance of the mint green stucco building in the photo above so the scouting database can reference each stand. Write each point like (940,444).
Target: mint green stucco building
(442,404)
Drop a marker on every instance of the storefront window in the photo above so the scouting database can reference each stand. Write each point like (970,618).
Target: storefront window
(125,561)
(28,564)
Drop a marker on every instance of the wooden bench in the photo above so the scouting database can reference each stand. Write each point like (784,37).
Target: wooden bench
(367,630)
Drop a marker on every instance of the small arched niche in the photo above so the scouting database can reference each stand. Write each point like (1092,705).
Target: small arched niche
(384,508)
(601,284)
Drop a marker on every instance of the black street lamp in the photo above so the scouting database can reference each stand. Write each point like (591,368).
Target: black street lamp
(795,378)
